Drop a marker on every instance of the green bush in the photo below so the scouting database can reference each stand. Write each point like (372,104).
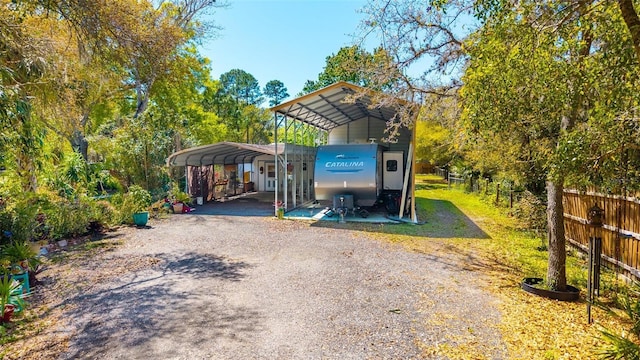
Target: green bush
(67,218)
(104,214)
(23,218)
(125,205)
(623,346)
(139,197)
(531,214)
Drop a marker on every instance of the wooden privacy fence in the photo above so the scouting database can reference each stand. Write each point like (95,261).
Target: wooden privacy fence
(621,230)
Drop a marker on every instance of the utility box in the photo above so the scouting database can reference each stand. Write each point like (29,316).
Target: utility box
(392,170)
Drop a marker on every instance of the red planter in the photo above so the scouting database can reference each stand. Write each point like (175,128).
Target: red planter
(8,313)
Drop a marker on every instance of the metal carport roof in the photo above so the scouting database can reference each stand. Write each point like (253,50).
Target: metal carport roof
(221,153)
(327,108)
(226,153)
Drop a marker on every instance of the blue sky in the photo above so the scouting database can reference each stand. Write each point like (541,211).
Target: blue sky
(286,40)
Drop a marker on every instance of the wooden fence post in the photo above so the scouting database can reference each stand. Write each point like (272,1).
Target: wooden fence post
(510,197)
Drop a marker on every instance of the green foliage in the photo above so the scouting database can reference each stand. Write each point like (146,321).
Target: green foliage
(67,219)
(433,143)
(103,214)
(140,198)
(47,215)
(137,150)
(631,306)
(241,86)
(275,91)
(530,211)
(20,216)
(9,291)
(124,205)
(348,64)
(177,195)
(18,251)
(620,348)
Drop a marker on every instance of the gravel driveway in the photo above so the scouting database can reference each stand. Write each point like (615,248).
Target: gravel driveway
(231,287)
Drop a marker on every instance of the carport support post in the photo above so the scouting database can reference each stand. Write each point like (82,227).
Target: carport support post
(294,183)
(286,163)
(406,182)
(186,178)
(414,216)
(201,188)
(275,139)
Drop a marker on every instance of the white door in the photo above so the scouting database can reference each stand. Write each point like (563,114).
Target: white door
(270,177)
(392,170)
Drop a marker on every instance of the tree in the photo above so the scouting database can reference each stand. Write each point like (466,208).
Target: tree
(143,39)
(535,82)
(436,131)
(421,45)
(348,64)
(531,74)
(275,92)
(241,86)
(243,89)
(23,66)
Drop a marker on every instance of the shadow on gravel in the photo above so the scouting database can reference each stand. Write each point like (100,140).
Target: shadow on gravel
(195,265)
(160,309)
(254,204)
(442,219)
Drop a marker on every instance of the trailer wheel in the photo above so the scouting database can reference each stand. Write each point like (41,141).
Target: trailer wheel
(363,213)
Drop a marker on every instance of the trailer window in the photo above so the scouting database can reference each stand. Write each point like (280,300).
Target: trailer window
(392,165)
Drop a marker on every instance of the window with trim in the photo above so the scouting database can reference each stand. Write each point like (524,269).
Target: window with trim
(392,165)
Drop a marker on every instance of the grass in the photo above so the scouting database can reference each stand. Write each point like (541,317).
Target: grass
(488,241)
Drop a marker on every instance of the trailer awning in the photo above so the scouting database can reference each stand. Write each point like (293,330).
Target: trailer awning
(327,108)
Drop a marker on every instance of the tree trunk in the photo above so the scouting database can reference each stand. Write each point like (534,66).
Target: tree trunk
(556,273)
(632,21)
(143,102)
(80,144)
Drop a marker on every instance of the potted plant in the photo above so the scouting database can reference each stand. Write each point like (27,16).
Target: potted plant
(179,199)
(21,259)
(10,297)
(141,200)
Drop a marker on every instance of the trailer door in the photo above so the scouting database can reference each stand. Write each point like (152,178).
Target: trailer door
(392,170)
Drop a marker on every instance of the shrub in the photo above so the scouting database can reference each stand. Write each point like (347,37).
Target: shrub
(103,213)
(140,198)
(67,219)
(531,214)
(622,346)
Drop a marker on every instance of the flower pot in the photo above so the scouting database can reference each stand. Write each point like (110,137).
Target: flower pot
(177,208)
(141,218)
(8,312)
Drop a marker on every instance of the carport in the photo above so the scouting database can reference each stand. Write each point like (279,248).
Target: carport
(341,113)
(197,160)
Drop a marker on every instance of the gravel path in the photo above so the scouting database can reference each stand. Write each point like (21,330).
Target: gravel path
(229,287)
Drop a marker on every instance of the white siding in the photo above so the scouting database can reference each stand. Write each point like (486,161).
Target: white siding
(358,131)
